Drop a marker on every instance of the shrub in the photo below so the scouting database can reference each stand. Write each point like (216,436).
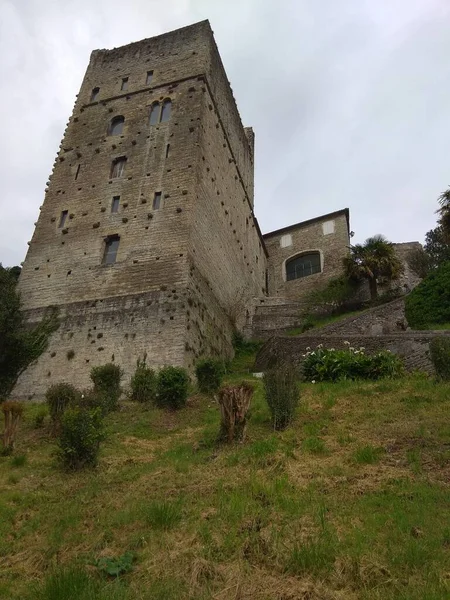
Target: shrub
(40,415)
(335,365)
(106,379)
(19,461)
(114,567)
(209,374)
(143,383)
(59,397)
(90,399)
(337,296)
(440,356)
(282,395)
(172,387)
(80,437)
(429,302)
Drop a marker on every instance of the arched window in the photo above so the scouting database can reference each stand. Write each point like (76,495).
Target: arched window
(303,265)
(116,125)
(154,113)
(165,112)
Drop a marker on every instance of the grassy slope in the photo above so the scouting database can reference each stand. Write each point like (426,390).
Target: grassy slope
(351,502)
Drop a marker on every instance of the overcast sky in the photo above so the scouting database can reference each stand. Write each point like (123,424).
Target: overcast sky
(349,100)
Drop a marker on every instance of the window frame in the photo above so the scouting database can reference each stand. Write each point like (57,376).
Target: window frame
(94,93)
(124,84)
(109,240)
(303,253)
(115,203)
(157,201)
(63,219)
(115,161)
(149,77)
(116,121)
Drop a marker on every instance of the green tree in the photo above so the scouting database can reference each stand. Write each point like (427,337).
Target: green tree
(436,246)
(19,345)
(444,213)
(371,260)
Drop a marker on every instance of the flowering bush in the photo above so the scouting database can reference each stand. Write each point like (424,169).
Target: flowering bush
(325,364)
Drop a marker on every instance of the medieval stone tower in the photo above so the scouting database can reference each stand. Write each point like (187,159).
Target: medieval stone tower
(146,239)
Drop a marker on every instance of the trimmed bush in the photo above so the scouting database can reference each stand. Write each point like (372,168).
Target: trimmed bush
(282,395)
(440,356)
(335,365)
(106,380)
(143,383)
(429,302)
(59,397)
(80,437)
(172,387)
(209,373)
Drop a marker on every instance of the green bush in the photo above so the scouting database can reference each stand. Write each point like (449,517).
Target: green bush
(209,374)
(106,381)
(172,387)
(334,365)
(282,395)
(429,302)
(440,356)
(80,437)
(59,397)
(143,383)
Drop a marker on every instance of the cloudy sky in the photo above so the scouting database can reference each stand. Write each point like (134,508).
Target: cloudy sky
(349,99)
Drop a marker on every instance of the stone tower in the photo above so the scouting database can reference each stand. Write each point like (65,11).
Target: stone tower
(146,239)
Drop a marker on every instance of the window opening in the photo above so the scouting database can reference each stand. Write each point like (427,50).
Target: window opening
(166,109)
(149,77)
(111,248)
(124,85)
(154,113)
(302,266)
(118,167)
(157,200)
(77,172)
(63,218)
(94,94)
(115,204)
(167,150)
(116,125)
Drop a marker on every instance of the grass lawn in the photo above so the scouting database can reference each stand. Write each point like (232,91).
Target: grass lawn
(351,502)
(319,322)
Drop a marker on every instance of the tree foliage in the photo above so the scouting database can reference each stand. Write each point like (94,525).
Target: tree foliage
(19,345)
(429,302)
(371,260)
(444,213)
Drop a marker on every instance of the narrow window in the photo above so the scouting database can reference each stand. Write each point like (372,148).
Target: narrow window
(302,266)
(111,248)
(154,113)
(149,77)
(63,218)
(116,125)
(124,85)
(157,201)
(77,172)
(167,150)
(166,108)
(94,94)
(115,204)
(118,167)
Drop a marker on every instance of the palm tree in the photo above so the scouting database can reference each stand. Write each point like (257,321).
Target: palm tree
(371,260)
(444,212)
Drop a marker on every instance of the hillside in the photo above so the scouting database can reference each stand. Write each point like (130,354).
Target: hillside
(351,502)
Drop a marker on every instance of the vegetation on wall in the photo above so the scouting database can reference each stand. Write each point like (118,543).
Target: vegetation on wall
(19,345)
(440,357)
(429,302)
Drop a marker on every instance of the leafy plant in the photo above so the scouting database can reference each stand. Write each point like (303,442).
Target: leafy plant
(429,302)
(80,437)
(19,461)
(334,365)
(59,397)
(335,297)
(143,383)
(116,566)
(209,374)
(367,455)
(172,387)
(440,356)
(106,380)
(371,260)
(282,395)
(40,416)
(163,515)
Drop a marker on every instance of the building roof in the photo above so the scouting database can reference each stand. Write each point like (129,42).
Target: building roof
(332,215)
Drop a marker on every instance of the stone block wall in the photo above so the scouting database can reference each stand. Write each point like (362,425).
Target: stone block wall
(328,234)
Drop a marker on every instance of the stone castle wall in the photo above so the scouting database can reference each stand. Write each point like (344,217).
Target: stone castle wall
(180,268)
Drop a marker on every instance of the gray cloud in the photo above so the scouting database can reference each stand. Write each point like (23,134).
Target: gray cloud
(349,101)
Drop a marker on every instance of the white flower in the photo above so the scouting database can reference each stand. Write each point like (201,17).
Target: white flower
(312,353)
(308,348)
(313,381)
(82,395)
(331,349)
(362,349)
(351,349)
(347,343)
(320,346)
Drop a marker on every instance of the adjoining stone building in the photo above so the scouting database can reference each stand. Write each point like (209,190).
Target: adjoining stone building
(147,239)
